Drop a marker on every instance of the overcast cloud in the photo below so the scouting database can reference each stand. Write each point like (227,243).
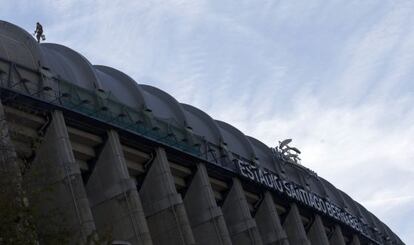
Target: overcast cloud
(336,76)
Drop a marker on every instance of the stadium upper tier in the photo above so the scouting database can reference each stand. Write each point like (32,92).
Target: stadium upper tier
(67,78)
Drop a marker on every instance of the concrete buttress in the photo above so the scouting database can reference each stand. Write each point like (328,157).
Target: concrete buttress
(268,222)
(241,225)
(164,208)
(316,233)
(8,155)
(355,240)
(65,195)
(337,238)
(294,227)
(206,218)
(116,205)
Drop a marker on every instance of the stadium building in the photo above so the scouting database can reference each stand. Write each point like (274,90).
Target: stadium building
(130,157)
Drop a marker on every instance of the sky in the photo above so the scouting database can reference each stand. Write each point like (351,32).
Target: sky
(335,76)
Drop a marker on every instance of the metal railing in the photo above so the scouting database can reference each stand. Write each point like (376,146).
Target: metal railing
(102,106)
(98,105)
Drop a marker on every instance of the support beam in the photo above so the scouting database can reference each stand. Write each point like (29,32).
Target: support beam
(56,170)
(241,225)
(23,118)
(337,238)
(205,216)
(317,234)
(268,222)
(164,209)
(294,227)
(116,205)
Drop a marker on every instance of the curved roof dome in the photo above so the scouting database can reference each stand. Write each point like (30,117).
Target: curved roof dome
(19,46)
(121,86)
(263,153)
(164,106)
(202,124)
(236,141)
(332,192)
(316,184)
(70,66)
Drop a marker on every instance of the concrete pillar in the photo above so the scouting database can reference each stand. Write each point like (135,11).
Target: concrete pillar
(8,154)
(294,227)
(62,199)
(164,209)
(113,196)
(205,216)
(268,222)
(355,240)
(241,225)
(337,238)
(316,233)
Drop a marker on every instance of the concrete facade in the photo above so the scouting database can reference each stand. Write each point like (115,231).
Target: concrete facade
(317,234)
(56,167)
(163,205)
(154,212)
(294,227)
(268,222)
(206,218)
(111,188)
(242,227)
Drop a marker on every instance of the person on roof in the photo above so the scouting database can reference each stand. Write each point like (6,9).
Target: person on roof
(39,32)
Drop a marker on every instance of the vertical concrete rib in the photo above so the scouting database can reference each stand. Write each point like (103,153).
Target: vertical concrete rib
(8,154)
(114,198)
(337,238)
(294,227)
(164,208)
(268,222)
(241,225)
(206,218)
(317,234)
(66,195)
(355,240)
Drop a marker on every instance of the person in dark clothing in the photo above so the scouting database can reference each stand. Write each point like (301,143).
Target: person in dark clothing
(39,32)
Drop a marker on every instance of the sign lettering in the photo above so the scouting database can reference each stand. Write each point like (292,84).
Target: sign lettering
(297,192)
